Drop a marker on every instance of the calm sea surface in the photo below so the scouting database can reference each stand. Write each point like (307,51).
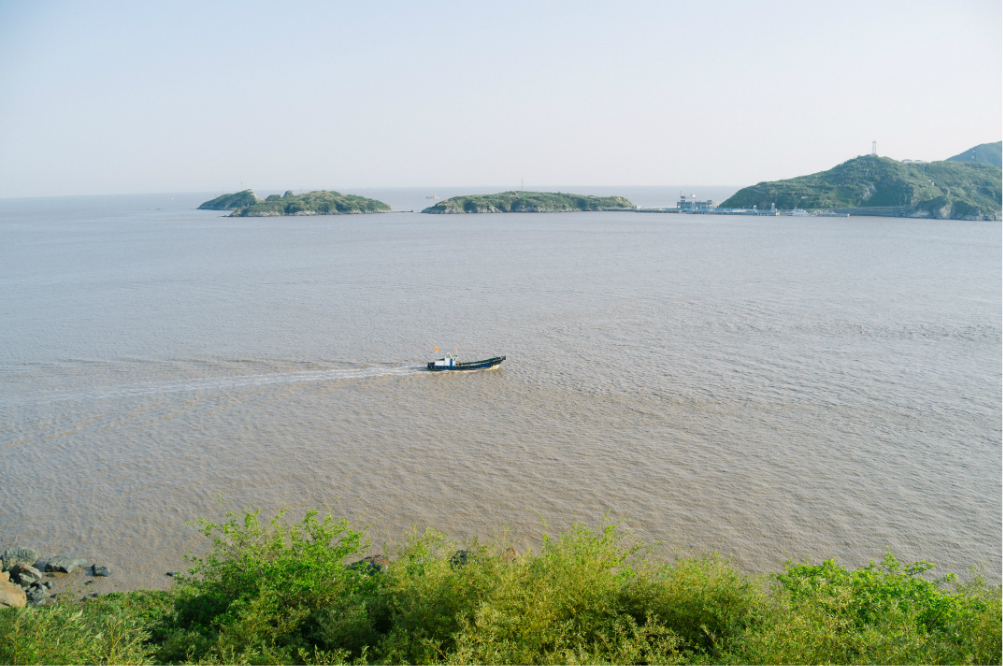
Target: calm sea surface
(764,387)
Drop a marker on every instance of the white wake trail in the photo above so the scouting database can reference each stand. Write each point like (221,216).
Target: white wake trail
(220,384)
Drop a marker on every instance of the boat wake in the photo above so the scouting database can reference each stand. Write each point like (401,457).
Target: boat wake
(217,384)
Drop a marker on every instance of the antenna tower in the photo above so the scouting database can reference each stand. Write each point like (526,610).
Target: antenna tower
(874,148)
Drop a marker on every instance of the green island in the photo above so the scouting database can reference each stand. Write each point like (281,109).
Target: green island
(231,201)
(283,592)
(527,202)
(984,153)
(871,185)
(321,202)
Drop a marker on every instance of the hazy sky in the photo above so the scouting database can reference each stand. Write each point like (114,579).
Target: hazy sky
(127,97)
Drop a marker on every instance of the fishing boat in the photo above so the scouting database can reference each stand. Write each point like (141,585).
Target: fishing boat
(449,362)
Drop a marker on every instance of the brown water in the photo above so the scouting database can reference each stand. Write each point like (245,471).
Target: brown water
(764,387)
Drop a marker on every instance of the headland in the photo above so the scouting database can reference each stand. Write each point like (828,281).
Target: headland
(880,186)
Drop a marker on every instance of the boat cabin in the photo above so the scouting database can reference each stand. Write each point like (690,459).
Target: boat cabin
(448,362)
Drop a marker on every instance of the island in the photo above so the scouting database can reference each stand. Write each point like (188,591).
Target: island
(984,153)
(881,186)
(231,201)
(321,202)
(527,202)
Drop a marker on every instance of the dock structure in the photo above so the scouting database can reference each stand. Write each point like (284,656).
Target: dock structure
(690,203)
(690,206)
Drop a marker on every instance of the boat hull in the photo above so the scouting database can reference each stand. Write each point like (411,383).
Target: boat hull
(472,365)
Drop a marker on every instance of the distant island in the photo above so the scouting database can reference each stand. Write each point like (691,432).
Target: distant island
(231,201)
(872,185)
(985,153)
(321,202)
(527,202)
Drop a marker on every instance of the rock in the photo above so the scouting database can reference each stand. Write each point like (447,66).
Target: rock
(11,596)
(35,594)
(65,564)
(173,574)
(370,566)
(24,574)
(510,554)
(14,556)
(4,576)
(90,582)
(48,584)
(101,570)
(460,558)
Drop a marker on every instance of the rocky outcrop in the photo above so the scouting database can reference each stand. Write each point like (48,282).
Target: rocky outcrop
(14,556)
(11,596)
(370,566)
(21,582)
(65,564)
(25,575)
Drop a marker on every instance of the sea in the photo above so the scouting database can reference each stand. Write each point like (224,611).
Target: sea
(766,388)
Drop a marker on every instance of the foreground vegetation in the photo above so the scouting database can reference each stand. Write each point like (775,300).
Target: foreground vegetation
(527,202)
(321,202)
(943,190)
(281,593)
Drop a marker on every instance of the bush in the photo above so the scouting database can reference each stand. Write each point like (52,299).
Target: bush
(115,629)
(281,593)
(249,597)
(882,613)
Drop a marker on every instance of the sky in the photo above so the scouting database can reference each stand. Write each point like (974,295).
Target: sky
(142,97)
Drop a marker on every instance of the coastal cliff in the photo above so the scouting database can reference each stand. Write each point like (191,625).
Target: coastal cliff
(527,202)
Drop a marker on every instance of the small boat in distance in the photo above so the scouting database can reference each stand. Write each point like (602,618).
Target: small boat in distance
(449,362)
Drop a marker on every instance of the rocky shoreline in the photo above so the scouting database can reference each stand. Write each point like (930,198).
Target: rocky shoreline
(26,577)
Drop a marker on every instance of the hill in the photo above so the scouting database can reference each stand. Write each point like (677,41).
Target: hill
(231,201)
(986,153)
(871,185)
(527,202)
(320,202)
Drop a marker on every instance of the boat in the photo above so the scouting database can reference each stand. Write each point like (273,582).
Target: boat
(800,212)
(449,362)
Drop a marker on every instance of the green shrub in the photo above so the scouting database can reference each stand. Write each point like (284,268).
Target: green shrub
(249,597)
(114,629)
(282,593)
(882,613)
(570,604)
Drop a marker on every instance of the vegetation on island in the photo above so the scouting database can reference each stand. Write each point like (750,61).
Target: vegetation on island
(299,594)
(321,202)
(231,201)
(527,202)
(984,153)
(942,190)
